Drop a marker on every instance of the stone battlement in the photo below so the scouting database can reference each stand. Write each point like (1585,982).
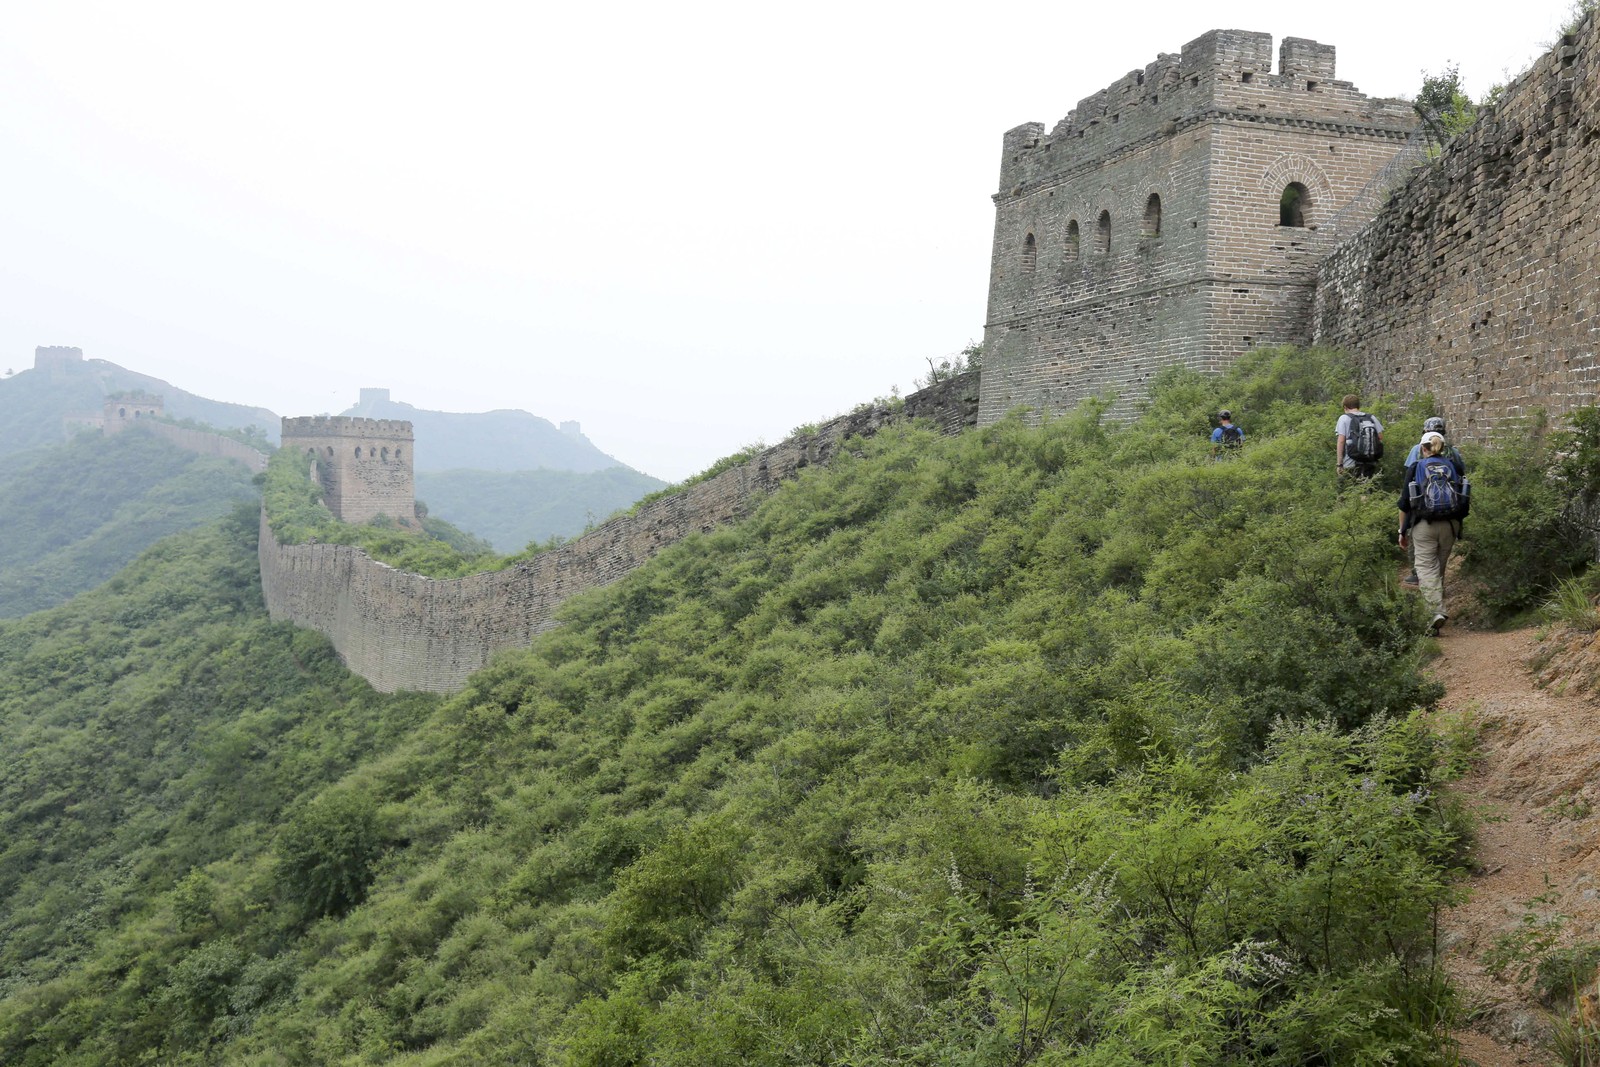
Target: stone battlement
(1175,219)
(1220,73)
(364,465)
(346,426)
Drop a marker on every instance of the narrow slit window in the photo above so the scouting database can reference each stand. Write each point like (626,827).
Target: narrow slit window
(1102,233)
(1292,205)
(1072,241)
(1030,254)
(1152,216)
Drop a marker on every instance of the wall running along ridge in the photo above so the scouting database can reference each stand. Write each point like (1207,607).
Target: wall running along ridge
(1479,282)
(403,631)
(209,444)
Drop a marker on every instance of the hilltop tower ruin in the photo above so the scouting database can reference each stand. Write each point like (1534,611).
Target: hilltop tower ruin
(122,410)
(56,359)
(1176,218)
(363,465)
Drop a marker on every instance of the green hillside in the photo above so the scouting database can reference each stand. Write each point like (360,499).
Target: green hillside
(1058,745)
(72,515)
(510,509)
(33,403)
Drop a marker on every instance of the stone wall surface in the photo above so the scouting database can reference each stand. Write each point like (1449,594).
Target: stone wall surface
(205,443)
(404,631)
(1479,282)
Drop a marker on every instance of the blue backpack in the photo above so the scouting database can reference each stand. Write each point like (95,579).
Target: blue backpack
(1438,491)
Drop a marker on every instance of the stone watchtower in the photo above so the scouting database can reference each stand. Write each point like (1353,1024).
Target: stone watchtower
(122,410)
(1175,218)
(364,465)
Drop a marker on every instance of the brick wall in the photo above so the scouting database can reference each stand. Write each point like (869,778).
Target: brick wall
(205,443)
(404,631)
(1480,281)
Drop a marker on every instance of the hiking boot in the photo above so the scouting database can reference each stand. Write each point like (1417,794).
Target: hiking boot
(1437,624)
(1411,580)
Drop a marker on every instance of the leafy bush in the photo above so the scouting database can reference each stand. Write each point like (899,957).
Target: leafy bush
(326,854)
(1529,495)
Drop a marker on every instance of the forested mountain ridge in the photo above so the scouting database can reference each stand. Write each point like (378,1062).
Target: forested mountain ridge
(33,402)
(501,440)
(1034,745)
(512,509)
(73,514)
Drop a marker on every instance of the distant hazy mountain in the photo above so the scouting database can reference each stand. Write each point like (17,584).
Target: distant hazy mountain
(33,402)
(74,514)
(504,440)
(509,509)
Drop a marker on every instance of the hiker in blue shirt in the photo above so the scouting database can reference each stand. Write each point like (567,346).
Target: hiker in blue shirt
(1432,424)
(1432,506)
(1227,435)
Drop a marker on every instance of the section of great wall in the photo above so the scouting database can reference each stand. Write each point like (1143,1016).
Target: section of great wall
(404,631)
(1201,206)
(1480,280)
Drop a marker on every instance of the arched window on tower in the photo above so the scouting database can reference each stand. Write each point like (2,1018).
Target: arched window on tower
(1102,233)
(1030,254)
(1072,241)
(358,451)
(1293,205)
(1152,217)
(385,455)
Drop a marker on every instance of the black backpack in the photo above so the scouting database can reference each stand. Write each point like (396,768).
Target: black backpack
(1232,437)
(1362,443)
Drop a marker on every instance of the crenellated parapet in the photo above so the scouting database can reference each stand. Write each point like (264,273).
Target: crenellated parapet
(1222,72)
(365,466)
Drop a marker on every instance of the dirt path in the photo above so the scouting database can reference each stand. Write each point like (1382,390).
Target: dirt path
(1537,790)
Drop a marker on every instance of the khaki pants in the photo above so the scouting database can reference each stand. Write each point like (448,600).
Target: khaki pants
(1432,540)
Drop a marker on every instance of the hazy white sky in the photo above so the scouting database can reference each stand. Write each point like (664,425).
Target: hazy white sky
(689,226)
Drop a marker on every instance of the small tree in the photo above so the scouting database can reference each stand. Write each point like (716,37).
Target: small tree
(1444,109)
(969,358)
(327,852)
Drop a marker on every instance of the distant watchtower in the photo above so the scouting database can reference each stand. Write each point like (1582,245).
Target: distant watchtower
(123,410)
(55,359)
(364,465)
(1175,218)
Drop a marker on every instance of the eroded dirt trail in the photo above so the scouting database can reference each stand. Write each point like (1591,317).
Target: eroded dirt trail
(1537,790)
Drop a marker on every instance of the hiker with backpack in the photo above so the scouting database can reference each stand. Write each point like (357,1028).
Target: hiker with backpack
(1358,440)
(1432,504)
(1432,424)
(1226,436)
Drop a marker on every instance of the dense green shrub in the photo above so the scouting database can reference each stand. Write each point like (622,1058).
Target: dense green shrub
(1055,744)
